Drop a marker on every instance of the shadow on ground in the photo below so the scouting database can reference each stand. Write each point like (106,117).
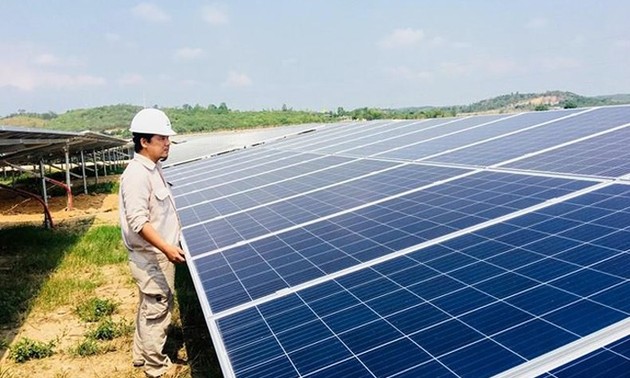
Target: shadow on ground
(28,256)
(194,334)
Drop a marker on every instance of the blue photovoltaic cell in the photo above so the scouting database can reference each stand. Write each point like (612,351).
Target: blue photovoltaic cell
(243,226)
(440,127)
(262,267)
(477,304)
(250,170)
(252,182)
(217,164)
(226,199)
(387,131)
(226,166)
(604,155)
(465,137)
(536,139)
(443,319)
(329,136)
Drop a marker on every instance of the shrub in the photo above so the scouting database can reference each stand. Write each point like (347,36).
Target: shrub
(88,347)
(109,330)
(27,349)
(95,309)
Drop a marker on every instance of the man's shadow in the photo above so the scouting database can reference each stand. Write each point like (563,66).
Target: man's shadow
(188,340)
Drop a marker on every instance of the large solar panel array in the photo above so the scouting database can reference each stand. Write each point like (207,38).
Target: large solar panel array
(459,247)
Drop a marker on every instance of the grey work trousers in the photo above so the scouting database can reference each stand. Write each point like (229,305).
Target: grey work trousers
(155,277)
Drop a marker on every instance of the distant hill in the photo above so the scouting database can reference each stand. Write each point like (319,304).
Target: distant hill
(539,101)
(618,98)
(115,119)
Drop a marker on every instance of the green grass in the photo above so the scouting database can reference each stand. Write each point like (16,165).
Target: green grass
(52,268)
(47,269)
(79,274)
(87,347)
(28,257)
(27,349)
(97,340)
(108,329)
(104,187)
(95,309)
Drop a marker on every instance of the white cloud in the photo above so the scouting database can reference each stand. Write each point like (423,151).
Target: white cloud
(237,80)
(29,69)
(405,73)
(150,12)
(402,38)
(52,60)
(537,23)
(213,15)
(73,81)
(27,79)
(188,53)
(131,79)
(47,60)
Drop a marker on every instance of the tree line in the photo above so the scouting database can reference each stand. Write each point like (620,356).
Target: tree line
(115,119)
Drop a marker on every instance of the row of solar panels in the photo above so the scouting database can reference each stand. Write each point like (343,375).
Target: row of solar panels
(404,248)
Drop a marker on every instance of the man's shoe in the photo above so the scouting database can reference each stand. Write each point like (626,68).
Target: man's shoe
(138,363)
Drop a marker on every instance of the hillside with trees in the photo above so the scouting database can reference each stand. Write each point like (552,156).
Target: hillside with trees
(115,119)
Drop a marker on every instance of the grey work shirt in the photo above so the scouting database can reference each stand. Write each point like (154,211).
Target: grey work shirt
(145,197)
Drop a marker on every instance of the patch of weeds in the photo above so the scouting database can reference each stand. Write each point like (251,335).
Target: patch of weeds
(104,187)
(27,349)
(88,347)
(109,330)
(96,309)
(4,344)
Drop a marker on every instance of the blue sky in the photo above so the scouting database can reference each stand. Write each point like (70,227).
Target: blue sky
(315,55)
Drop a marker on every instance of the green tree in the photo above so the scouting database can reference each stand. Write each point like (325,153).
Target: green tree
(223,109)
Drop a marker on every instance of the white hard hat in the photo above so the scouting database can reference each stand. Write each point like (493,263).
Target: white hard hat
(151,121)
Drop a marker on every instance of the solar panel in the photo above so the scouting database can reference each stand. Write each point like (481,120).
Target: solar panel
(605,155)
(535,139)
(357,264)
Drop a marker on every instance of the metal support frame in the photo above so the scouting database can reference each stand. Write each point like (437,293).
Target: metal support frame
(85,189)
(42,173)
(95,167)
(68,190)
(104,163)
(66,151)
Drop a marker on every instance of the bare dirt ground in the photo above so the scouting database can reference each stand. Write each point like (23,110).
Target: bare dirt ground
(104,207)
(62,324)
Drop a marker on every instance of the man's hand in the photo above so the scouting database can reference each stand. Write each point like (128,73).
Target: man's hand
(174,254)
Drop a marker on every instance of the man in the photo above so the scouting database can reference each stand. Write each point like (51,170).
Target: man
(151,232)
